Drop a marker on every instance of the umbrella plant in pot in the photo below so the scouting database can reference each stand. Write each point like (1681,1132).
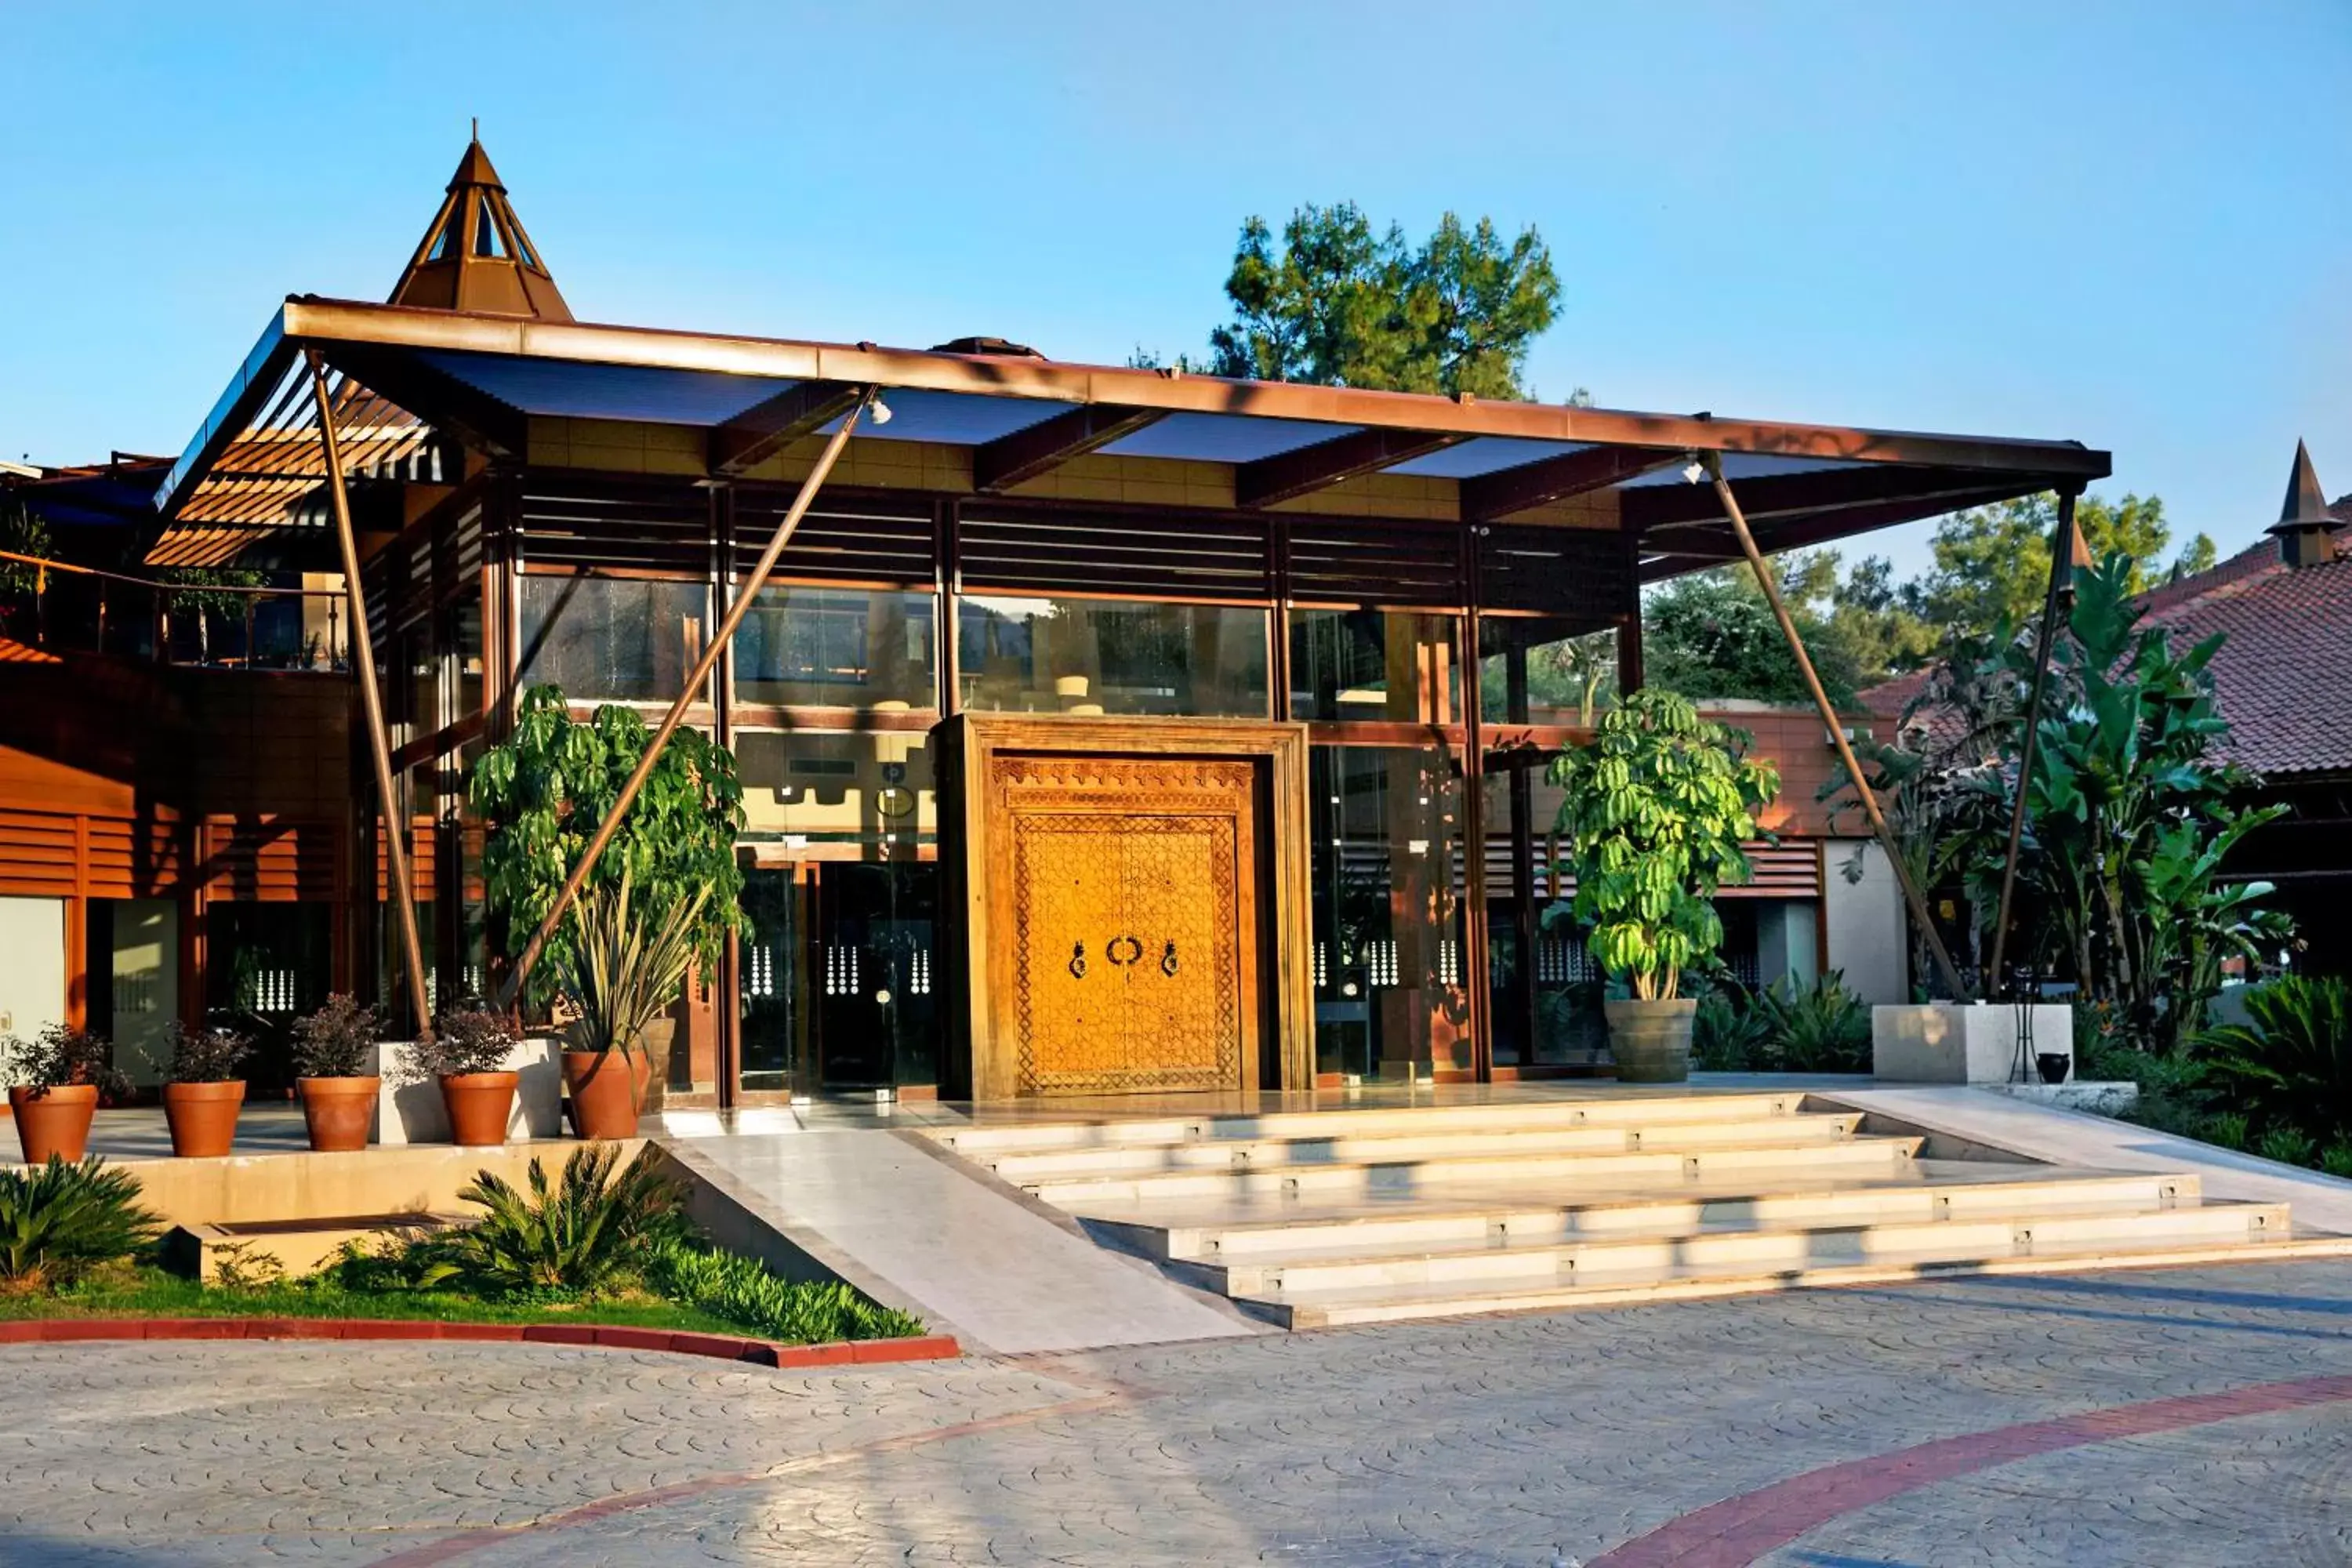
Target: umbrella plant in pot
(1655,811)
(468,1054)
(55,1081)
(619,973)
(335,1061)
(203,1089)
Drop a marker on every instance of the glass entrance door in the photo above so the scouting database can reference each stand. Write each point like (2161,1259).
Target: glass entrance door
(834,980)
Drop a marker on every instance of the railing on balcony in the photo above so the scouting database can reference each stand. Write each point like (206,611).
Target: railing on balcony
(58,607)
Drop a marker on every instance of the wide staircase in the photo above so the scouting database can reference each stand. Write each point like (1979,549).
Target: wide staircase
(1317,1218)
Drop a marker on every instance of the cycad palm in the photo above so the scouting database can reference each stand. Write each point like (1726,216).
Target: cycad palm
(576,1233)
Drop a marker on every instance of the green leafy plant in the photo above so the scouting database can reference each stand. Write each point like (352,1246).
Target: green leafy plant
(2288,1146)
(59,1221)
(582,1233)
(58,1056)
(747,1291)
(542,792)
(1655,811)
(2337,1161)
(338,1040)
(620,971)
(467,1039)
(1821,1027)
(2289,1065)
(1728,1033)
(208,1055)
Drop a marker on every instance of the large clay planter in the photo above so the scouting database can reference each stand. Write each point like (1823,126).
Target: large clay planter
(479,1105)
(1651,1040)
(202,1117)
(54,1120)
(605,1092)
(338,1111)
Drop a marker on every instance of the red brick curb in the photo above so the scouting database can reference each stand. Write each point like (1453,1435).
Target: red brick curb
(721,1347)
(1738,1531)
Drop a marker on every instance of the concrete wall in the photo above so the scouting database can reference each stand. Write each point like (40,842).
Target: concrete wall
(1868,932)
(32,964)
(1788,942)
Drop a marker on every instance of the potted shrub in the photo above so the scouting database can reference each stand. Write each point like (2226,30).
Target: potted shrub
(334,1061)
(55,1081)
(468,1053)
(1655,811)
(203,1089)
(541,795)
(619,973)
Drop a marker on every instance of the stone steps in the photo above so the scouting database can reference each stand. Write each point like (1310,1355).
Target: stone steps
(1396,1146)
(1314,1218)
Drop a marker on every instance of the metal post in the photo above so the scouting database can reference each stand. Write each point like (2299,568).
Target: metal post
(371,700)
(2062,564)
(696,681)
(1912,894)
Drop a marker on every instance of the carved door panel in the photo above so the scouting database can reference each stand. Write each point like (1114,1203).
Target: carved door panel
(1128,912)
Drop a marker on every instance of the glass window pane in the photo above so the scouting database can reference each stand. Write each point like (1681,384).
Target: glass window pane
(831,647)
(611,638)
(465,633)
(1543,670)
(1018,655)
(815,787)
(1390,997)
(1396,667)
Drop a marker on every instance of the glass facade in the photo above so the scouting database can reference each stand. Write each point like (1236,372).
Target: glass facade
(1021,655)
(1398,667)
(1544,670)
(1385,830)
(612,639)
(832,648)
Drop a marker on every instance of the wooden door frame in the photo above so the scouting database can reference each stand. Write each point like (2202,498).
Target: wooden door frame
(974,1063)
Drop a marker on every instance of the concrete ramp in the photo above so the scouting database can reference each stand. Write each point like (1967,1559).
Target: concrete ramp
(896,1217)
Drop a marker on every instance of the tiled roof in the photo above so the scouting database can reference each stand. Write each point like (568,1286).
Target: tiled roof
(2283,676)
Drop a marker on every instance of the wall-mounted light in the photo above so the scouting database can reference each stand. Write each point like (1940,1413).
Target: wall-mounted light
(880,410)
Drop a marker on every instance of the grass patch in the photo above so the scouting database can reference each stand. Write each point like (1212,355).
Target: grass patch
(597,1243)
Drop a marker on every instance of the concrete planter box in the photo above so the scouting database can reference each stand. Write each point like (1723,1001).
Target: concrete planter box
(409,1108)
(1945,1043)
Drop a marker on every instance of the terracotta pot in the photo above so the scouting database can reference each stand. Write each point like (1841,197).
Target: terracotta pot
(479,1105)
(54,1120)
(202,1117)
(1651,1040)
(604,1092)
(338,1111)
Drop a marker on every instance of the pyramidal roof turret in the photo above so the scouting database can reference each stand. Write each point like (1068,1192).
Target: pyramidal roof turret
(475,255)
(2305,529)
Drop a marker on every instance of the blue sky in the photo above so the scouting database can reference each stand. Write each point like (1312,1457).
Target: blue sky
(2129,223)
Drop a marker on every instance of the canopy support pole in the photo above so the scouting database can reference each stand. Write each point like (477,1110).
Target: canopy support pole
(1912,895)
(2062,572)
(697,682)
(396,840)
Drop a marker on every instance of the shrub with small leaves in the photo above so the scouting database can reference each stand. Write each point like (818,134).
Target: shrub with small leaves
(467,1039)
(2336,1160)
(338,1040)
(58,1056)
(61,1220)
(2288,1146)
(207,1055)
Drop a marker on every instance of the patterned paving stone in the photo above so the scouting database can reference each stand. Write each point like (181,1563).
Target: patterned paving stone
(1491,1444)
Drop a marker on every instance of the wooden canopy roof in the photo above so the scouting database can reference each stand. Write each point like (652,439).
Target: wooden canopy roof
(480,378)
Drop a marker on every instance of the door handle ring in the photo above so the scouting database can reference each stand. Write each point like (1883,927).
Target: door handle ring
(1133,946)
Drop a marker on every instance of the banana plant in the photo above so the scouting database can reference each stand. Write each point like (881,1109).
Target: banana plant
(1657,809)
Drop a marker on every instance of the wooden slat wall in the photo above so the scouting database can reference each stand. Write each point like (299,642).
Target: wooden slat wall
(1790,870)
(883,547)
(270,861)
(1584,573)
(1210,558)
(1335,562)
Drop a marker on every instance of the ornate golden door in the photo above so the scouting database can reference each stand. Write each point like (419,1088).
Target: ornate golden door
(1123,893)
